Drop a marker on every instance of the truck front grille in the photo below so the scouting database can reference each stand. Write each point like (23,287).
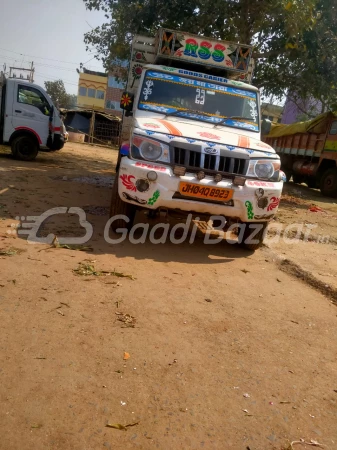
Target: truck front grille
(195,161)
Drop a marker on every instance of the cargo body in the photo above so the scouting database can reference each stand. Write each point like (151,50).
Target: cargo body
(191,133)
(308,151)
(29,121)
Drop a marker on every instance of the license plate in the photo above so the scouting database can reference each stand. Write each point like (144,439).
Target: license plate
(202,191)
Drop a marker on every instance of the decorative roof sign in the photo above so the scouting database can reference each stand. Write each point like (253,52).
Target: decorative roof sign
(200,50)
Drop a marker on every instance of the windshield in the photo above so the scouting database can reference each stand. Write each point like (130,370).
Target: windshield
(199,100)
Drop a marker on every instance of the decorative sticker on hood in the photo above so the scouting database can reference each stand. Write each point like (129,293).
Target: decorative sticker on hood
(167,131)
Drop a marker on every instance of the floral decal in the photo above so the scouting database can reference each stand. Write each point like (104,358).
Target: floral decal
(274,202)
(127,181)
(249,207)
(137,70)
(208,135)
(253,110)
(170,69)
(126,100)
(154,198)
(230,147)
(139,56)
(148,90)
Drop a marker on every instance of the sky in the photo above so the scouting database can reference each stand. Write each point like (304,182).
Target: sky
(49,33)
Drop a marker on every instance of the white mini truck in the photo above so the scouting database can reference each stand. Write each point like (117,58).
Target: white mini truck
(29,121)
(193,138)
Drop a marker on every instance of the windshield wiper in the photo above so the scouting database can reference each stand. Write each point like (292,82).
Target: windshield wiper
(191,111)
(222,121)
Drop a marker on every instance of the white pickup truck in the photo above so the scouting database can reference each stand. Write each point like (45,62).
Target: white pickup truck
(192,135)
(28,119)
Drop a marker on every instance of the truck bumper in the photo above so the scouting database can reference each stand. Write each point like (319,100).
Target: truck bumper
(256,201)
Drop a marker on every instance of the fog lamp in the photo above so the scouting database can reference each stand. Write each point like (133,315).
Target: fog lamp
(179,171)
(152,175)
(239,181)
(200,175)
(142,185)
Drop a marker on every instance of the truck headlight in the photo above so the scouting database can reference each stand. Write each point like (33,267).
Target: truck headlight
(266,169)
(149,149)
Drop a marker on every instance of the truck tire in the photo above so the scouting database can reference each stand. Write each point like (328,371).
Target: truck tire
(259,236)
(119,207)
(328,183)
(25,148)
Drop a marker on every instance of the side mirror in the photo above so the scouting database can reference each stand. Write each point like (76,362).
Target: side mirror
(265,127)
(127,101)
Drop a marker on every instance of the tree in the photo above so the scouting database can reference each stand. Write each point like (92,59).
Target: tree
(294,41)
(59,95)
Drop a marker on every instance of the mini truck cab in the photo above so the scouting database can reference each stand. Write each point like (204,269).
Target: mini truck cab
(29,121)
(193,141)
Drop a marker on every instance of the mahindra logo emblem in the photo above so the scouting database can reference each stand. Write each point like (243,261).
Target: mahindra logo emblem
(211,151)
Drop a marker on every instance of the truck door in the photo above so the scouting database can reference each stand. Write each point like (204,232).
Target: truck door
(31,111)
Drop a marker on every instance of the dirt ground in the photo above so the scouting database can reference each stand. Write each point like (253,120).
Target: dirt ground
(203,347)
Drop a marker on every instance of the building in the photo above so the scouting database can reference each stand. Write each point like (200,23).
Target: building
(271,112)
(115,88)
(301,110)
(92,89)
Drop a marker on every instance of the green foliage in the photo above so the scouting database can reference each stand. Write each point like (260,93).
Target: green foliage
(295,41)
(58,93)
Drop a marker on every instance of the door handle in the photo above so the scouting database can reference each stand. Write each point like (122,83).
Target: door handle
(18,111)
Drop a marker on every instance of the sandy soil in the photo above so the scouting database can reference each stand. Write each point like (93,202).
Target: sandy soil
(309,224)
(224,349)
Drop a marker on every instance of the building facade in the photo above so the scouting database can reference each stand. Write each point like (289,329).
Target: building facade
(303,109)
(271,112)
(92,89)
(114,92)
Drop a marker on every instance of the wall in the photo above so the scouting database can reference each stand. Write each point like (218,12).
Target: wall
(97,83)
(271,112)
(292,113)
(113,95)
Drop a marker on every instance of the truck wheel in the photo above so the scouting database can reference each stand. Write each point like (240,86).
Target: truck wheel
(328,184)
(119,207)
(250,234)
(24,148)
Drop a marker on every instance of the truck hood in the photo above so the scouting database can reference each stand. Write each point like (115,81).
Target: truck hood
(196,131)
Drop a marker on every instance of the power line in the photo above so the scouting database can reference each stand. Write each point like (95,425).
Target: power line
(40,57)
(41,75)
(67,69)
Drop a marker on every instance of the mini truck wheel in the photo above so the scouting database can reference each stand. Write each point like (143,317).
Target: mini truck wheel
(25,148)
(253,235)
(118,207)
